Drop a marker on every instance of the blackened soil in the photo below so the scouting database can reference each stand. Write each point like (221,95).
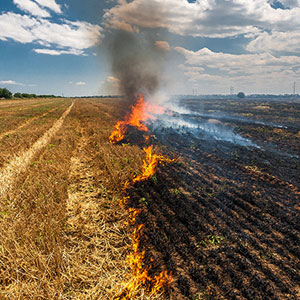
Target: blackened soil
(225,219)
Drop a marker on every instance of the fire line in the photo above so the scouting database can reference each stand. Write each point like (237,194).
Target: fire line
(141,277)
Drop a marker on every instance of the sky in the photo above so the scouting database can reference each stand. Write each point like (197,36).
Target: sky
(60,47)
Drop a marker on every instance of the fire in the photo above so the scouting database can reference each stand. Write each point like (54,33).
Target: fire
(140,272)
(140,113)
(136,258)
(150,164)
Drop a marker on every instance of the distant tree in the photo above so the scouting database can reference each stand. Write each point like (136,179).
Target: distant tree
(5,93)
(241,95)
(25,95)
(47,96)
(18,95)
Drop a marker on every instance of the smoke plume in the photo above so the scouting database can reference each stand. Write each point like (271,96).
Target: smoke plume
(137,62)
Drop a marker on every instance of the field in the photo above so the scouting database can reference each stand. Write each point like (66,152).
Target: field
(223,217)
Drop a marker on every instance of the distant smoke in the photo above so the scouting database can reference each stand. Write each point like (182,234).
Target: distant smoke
(137,63)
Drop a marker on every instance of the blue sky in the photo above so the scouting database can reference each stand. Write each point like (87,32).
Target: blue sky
(58,47)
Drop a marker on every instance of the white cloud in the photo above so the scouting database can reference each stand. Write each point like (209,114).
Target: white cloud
(276,42)
(78,35)
(111,85)
(32,7)
(224,61)
(249,70)
(204,18)
(80,83)
(51,4)
(163,45)
(74,36)
(11,82)
(17,27)
(59,52)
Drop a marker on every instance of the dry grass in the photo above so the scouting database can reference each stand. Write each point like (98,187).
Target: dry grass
(62,232)
(13,116)
(20,162)
(31,225)
(26,123)
(21,139)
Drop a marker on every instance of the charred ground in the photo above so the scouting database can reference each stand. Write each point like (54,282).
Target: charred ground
(225,217)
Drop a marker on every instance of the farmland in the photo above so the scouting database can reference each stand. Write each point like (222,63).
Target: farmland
(223,217)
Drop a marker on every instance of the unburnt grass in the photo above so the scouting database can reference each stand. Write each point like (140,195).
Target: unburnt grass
(25,134)
(63,232)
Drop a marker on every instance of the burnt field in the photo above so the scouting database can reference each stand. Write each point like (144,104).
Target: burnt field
(224,218)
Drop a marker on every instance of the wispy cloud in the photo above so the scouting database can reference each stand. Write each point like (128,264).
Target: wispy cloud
(259,70)
(276,42)
(13,82)
(208,18)
(38,7)
(111,85)
(112,79)
(32,8)
(51,4)
(59,52)
(80,83)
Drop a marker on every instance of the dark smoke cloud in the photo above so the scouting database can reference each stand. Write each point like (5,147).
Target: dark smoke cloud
(136,62)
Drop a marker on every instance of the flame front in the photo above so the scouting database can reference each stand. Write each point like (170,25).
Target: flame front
(140,113)
(137,118)
(150,164)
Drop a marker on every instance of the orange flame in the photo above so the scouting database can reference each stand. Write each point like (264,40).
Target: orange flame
(150,164)
(140,272)
(136,258)
(139,114)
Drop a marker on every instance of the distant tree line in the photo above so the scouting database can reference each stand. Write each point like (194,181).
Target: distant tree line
(25,95)
(5,93)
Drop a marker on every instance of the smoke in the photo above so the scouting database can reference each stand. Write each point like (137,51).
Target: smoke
(137,63)
(137,55)
(184,121)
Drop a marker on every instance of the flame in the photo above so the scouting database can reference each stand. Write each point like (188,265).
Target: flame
(140,113)
(136,258)
(140,272)
(150,164)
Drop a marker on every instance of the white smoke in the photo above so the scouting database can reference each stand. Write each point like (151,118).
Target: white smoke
(185,121)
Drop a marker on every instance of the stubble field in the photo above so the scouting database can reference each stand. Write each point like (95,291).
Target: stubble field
(223,218)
